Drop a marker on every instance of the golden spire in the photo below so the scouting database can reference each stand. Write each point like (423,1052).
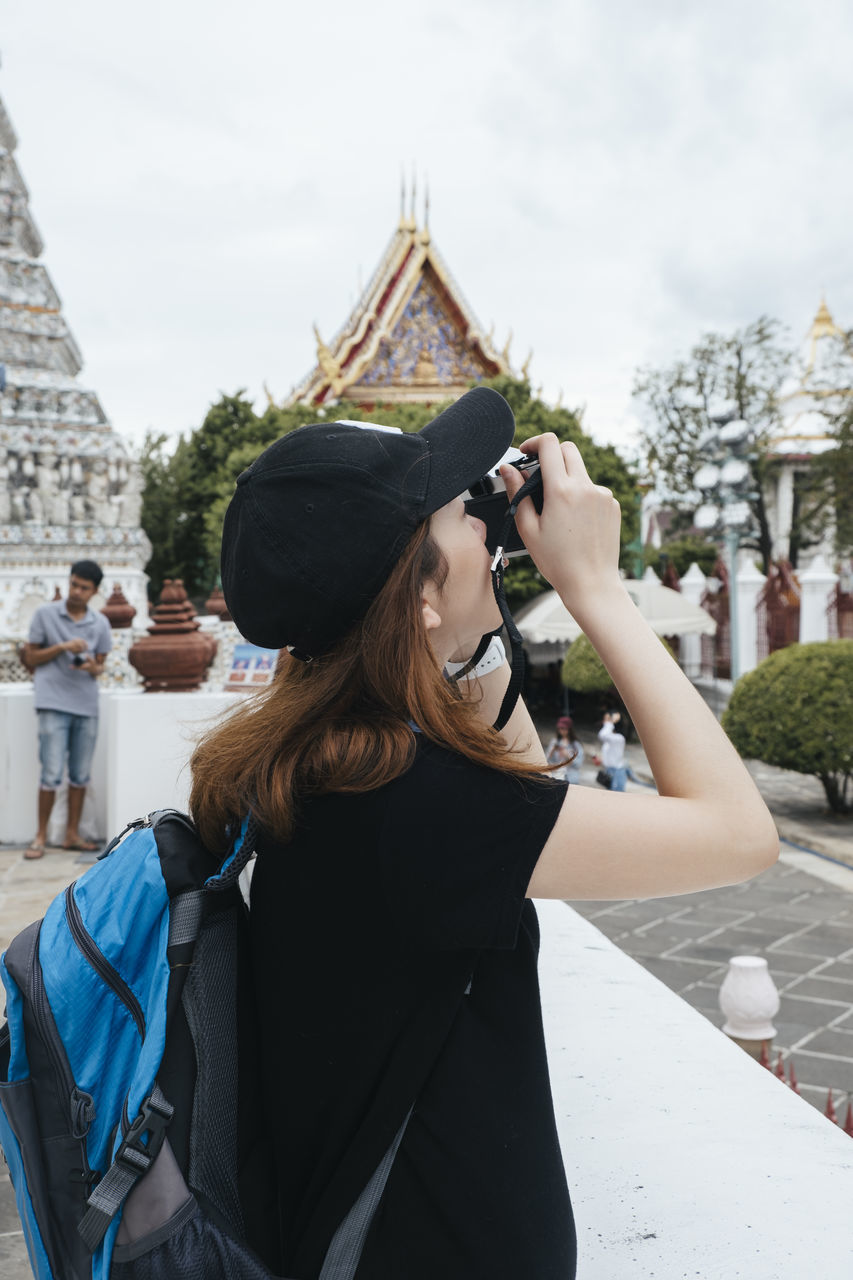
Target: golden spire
(402,199)
(525,368)
(268,395)
(414,197)
(823,326)
(505,352)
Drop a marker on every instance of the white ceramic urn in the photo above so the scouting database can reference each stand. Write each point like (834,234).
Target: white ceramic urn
(749,999)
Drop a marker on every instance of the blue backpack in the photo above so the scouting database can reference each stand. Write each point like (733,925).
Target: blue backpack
(129,1019)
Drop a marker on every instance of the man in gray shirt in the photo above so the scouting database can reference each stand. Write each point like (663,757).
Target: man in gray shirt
(66,648)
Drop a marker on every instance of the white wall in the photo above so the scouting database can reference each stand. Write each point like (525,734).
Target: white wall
(151,738)
(144,743)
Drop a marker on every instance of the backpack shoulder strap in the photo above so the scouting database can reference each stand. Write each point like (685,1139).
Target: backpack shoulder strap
(344,1253)
(131,1162)
(179,844)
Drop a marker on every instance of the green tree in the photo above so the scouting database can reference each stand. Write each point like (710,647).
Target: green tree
(827,482)
(682,553)
(795,710)
(163,509)
(743,373)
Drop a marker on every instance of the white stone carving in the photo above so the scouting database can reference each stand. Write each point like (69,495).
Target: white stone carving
(749,999)
(68,489)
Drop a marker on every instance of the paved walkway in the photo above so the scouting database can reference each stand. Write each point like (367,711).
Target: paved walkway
(799,915)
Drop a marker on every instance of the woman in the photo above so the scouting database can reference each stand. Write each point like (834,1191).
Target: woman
(394,941)
(565,750)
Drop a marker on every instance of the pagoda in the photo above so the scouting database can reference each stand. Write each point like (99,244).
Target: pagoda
(411,336)
(804,431)
(68,488)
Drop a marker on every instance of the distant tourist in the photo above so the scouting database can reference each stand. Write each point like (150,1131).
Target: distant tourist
(66,648)
(613,751)
(565,749)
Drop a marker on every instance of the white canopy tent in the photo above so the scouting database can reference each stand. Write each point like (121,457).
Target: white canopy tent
(546,621)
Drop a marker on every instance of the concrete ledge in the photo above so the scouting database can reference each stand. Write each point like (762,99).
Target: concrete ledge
(684,1157)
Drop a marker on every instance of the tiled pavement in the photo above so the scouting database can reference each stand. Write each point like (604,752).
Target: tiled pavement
(802,924)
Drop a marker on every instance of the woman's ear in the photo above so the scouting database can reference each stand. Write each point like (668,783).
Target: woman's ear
(432,620)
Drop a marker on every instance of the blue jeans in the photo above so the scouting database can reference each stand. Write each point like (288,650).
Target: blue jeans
(63,736)
(618,778)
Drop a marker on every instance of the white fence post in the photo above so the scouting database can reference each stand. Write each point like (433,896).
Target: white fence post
(815,585)
(749,584)
(690,650)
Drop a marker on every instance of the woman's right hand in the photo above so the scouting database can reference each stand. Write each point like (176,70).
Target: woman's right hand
(575,541)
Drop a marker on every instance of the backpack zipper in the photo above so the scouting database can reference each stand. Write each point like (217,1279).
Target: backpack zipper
(82,1105)
(100,963)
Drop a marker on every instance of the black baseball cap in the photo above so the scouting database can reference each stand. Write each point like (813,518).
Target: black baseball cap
(319,520)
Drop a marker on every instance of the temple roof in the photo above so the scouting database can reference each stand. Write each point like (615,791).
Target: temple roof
(411,336)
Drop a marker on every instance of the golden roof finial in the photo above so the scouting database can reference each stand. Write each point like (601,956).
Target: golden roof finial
(402,199)
(525,368)
(268,394)
(559,403)
(414,196)
(329,365)
(505,352)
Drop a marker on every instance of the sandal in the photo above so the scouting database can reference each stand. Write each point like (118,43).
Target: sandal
(34,850)
(79,845)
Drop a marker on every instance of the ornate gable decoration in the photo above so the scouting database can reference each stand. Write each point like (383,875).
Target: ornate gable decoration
(411,337)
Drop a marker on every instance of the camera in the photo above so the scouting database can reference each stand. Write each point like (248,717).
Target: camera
(487,500)
(77,659)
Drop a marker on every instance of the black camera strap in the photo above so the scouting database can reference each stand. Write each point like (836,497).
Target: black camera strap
(514,687)
(517,661)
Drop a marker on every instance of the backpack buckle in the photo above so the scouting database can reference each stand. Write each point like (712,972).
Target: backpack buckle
(154,1119)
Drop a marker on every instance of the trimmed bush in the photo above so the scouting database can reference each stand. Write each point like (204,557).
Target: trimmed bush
(795,710)
(584,671)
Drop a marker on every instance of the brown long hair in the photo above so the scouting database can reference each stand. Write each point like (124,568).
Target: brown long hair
(341,722)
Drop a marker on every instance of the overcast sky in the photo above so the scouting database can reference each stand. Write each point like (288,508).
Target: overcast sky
(608,179)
